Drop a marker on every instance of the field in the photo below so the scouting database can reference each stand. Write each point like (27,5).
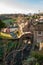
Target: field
(9,20)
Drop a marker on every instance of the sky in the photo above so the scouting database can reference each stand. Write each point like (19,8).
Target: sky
(21,6)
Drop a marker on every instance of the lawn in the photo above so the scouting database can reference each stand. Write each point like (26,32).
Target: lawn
(9,20)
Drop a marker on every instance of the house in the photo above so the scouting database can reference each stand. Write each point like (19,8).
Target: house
(10,28)
(13,27)
(5,30)
(38,34)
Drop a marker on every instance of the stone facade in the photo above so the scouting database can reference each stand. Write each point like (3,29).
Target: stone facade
(38,34)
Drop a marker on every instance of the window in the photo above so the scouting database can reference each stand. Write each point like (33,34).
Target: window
(39,32)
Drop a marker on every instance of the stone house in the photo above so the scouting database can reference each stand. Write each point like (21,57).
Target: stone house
(5,30)
(10,28)
(38,34)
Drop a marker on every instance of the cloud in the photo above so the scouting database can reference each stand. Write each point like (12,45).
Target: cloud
(12,7)
(20,6)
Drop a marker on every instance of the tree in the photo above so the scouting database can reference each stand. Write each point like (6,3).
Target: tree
(38,56)
(2,24)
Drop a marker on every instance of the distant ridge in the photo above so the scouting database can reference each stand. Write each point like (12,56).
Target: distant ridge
(7,16)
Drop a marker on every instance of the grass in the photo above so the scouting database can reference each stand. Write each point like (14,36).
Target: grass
(9,20)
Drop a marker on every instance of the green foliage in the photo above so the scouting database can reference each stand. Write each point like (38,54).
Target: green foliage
(1,52)
(38,56)
(8,46)
(2,24)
